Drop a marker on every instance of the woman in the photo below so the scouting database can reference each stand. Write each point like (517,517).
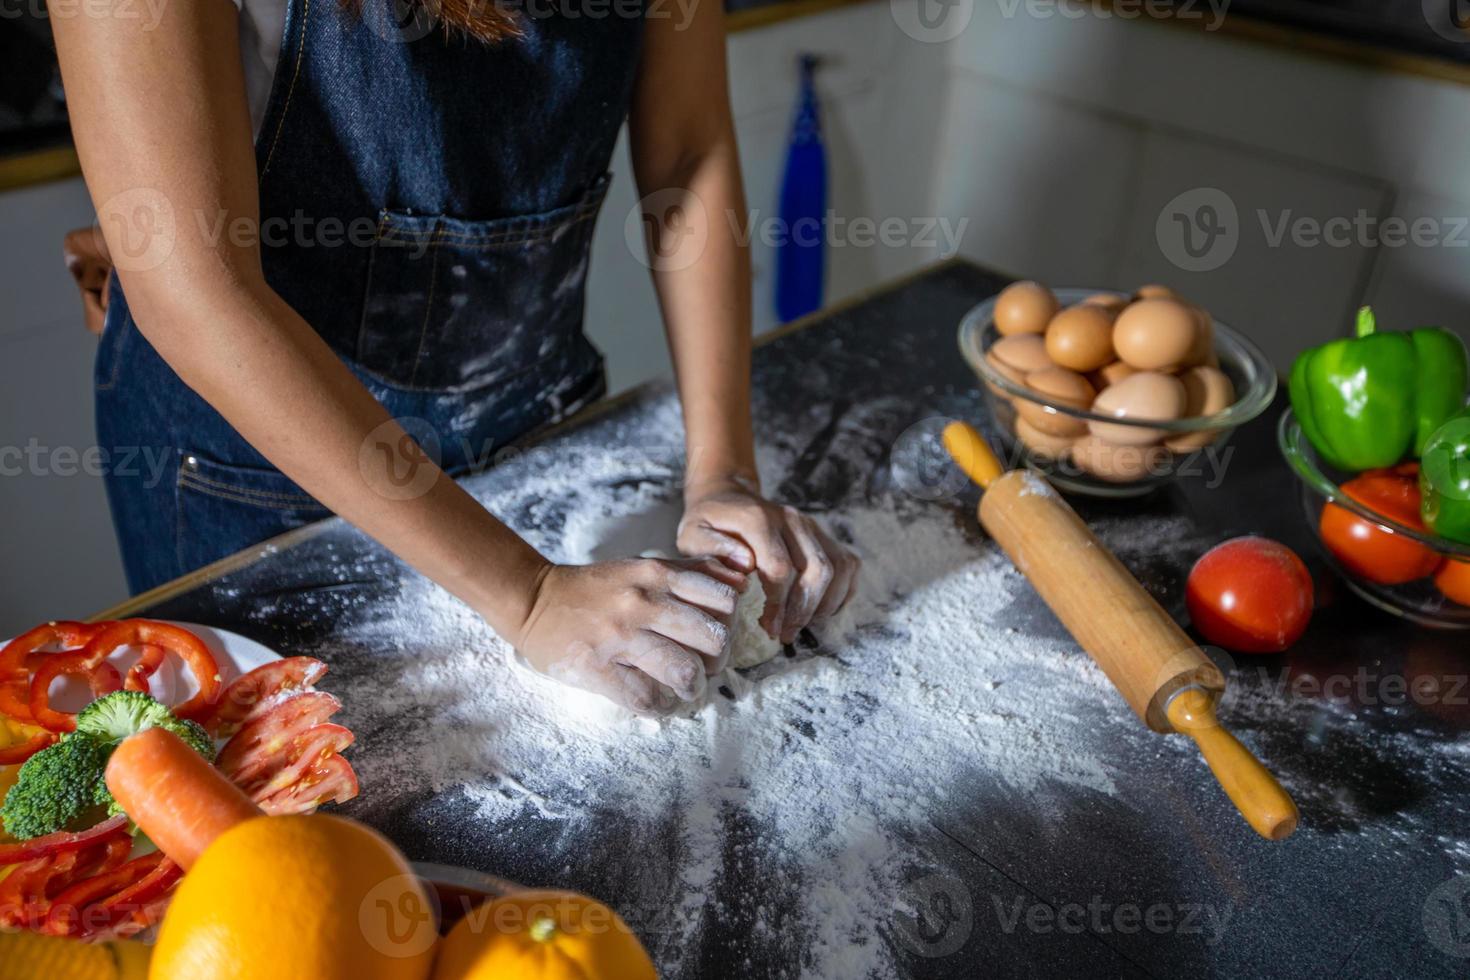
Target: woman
(406,239)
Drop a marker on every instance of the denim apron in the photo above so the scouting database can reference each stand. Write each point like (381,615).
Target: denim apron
(427,206)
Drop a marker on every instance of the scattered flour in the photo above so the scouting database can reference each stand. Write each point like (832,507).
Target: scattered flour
(831,756)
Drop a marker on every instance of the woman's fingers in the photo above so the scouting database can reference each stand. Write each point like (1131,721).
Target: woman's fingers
(814,575)
(698,538)
(846,565)
(707,583)
(691,627)
(666,662)
(637,691)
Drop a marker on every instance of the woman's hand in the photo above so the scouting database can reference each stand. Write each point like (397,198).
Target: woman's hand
(807,576)
(642,632)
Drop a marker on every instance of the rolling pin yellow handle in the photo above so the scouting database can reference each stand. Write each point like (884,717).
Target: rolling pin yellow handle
(968,448)
(1251,787)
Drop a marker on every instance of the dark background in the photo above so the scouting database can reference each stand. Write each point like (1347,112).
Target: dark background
(33,113)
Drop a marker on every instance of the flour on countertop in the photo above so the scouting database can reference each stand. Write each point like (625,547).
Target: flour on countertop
(818,769)
(829,757)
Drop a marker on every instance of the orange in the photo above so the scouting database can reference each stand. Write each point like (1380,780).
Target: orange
(545,935)
(28,956)
(297,898)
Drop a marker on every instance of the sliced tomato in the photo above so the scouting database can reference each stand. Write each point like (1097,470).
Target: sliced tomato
(247,696)
(62,842)
(13,755)
(101,675)
(272,773)
(330,780)
(18,658)
(255,745)
(173,639)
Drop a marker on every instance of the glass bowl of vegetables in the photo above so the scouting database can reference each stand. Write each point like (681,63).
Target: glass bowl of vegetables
(1104,415)
(1368,527)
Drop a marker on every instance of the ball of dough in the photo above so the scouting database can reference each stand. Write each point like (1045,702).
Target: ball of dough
(750,645)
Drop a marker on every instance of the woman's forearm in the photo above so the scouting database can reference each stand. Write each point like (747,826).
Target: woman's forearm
(687,166)
(707,314)
(307,414)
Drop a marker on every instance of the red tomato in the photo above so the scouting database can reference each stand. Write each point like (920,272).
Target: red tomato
(331,780)
(1369,550)
(243,699)
(286,767)
(1250,595)
(1453,579)
(259,745)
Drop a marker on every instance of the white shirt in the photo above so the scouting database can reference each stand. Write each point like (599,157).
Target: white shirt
(262,23)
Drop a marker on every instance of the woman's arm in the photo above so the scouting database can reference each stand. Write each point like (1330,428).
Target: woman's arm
(687,166)
(163,131)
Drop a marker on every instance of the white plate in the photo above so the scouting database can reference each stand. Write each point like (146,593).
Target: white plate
(173,683)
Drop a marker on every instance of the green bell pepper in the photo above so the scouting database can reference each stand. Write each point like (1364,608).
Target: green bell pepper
(1444,479)
(1369,401)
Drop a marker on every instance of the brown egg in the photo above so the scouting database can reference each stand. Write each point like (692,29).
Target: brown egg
(1041,443)
(1109,374)
(1118,464)
(1108,301)
(1062,387)
(1155,334)
(1203,349)
(1081,338)
(1025,353)
(1147,395)
(1154,291)
(1024,307)
(1207,390)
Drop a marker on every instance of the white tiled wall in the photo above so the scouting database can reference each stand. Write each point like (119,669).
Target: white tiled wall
(1070,135)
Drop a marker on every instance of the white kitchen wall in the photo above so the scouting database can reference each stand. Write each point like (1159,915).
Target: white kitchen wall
(1068,137)
(1060,139)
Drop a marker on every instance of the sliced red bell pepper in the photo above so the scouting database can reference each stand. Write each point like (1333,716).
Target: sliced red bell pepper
(134,899)
(14,755)
(173,639)
(15,660)
(101,675)
(83,907)
(62,842)
(146,667)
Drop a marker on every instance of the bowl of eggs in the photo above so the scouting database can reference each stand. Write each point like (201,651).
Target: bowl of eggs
(1112,394)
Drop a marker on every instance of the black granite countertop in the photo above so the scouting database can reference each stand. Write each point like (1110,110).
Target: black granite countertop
(1376,883)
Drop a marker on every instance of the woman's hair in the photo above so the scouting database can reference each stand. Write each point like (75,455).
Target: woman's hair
(483,20)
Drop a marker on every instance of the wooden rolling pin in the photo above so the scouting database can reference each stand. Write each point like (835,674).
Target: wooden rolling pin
(1164,676)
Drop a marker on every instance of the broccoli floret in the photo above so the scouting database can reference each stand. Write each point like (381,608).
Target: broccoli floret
(114,717)
(55,788)
(53,802)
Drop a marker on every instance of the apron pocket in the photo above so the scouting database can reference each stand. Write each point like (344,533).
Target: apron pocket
(452,305)
(223,509)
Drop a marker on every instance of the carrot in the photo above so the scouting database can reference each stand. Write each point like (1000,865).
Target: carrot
(172,792)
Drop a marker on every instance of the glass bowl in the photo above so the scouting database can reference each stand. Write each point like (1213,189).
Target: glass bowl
(1419,600)
(1136,469)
